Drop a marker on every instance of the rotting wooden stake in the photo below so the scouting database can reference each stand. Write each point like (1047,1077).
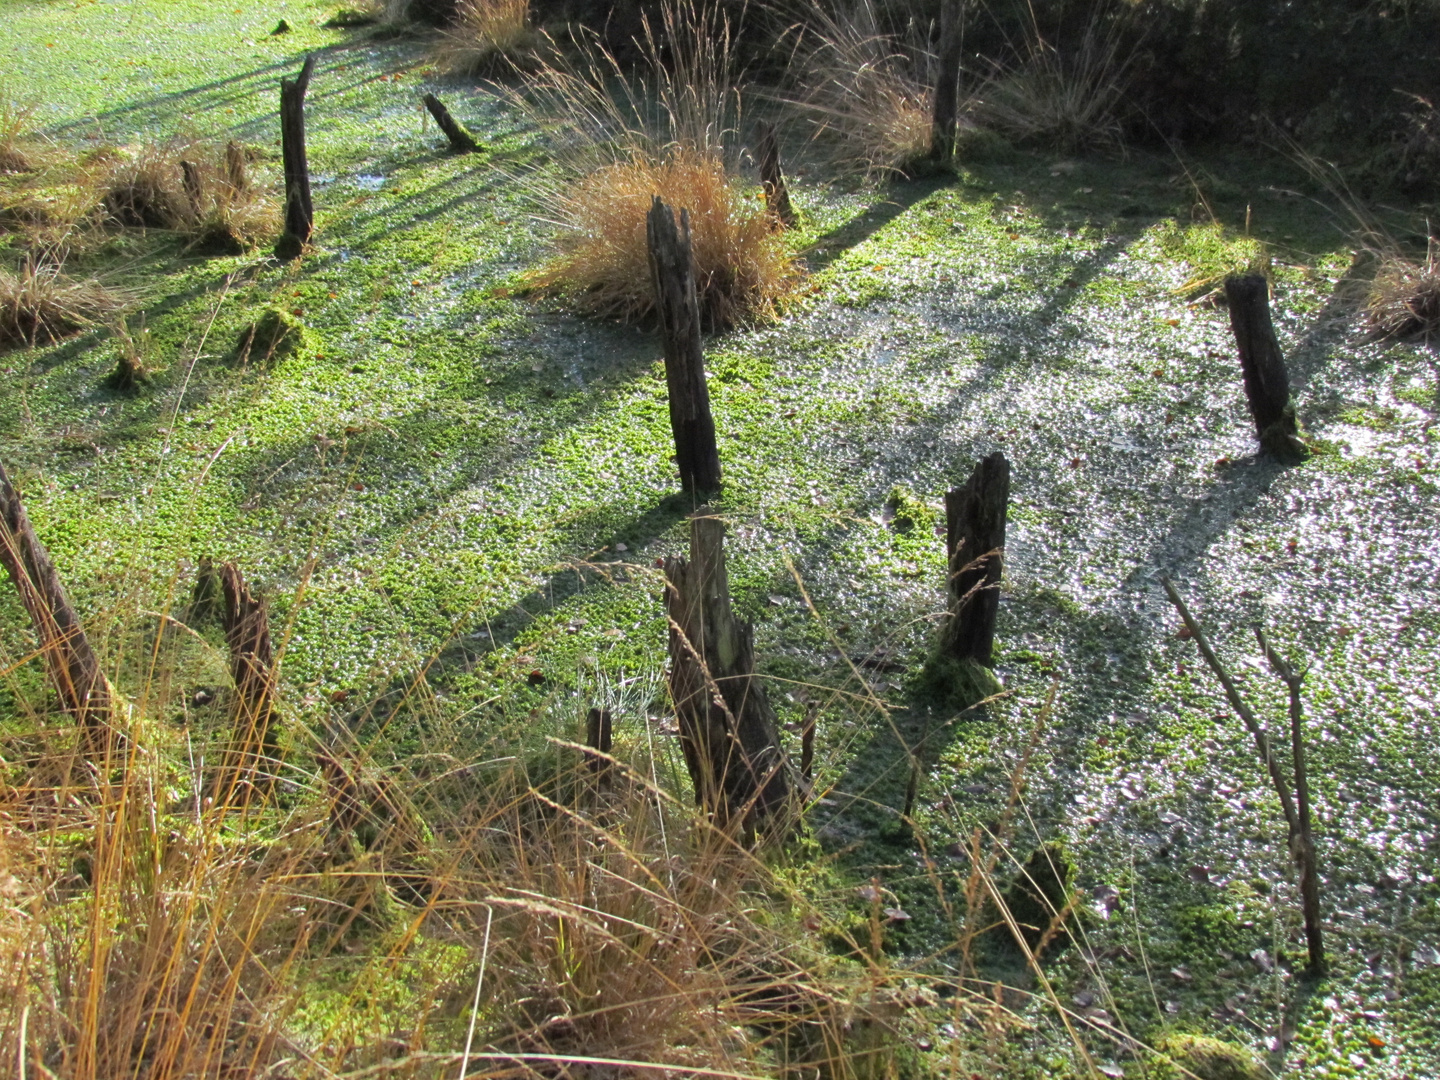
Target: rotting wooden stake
(1262,365)
(1294,803)
(235,167)
(947,80)
(461,141)
(194,189)
(598,736)
(975,546)
(246,619)
(69,658)
(772,179)
(672,269)
(299,210)
(727,729)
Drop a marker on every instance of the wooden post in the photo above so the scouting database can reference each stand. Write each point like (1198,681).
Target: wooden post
(252,665)
(777,195)
(947,79)
(73,667)
(299,211)
(672,268)
(1267,386)
(975,545)
(235,167)
(461,141)
(190,176)
(598,736)
(727,729)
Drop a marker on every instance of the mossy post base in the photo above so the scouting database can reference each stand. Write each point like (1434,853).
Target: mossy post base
(461,141)
(299,210)
(253,749)
(727,729)
(672,268)
(1262,365)
(947,81)
(772,179)
(70,660)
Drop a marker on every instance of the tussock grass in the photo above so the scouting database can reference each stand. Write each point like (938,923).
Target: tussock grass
(622,136)
(16,117)
(39,303)
(488,37)
(203,191)
(1404,296)
(868,95)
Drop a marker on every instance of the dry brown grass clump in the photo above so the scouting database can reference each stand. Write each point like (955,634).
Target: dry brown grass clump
(39,303)
(489,36)
(16,116)
(1405,296)
(869,95)
(205,192)
(744,268)
(660,127)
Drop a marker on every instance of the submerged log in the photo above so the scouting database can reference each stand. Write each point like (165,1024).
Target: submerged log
(299,210)
(672,269)
(461,141)
(70,661)
(727,730)
(1262,365)
(772,179)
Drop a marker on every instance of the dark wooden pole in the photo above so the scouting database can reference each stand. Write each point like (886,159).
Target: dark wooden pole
(975,544)
(299,211)
(598,736)
(947,79)
(69,658)
(461,141)
(672,268)
(772,179)
(235,167)
(727,729)
(1262,365)
(252,665)
(194,189)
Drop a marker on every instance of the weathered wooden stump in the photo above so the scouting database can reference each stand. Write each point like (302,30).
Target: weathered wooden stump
(727,729)
(194,188)
(947,80)
(599,736)
(70,661)
(299,210)
(772,179)
(461,141)
(672,268)
(235,174)
(253,747)
(974,549)
(1262,365)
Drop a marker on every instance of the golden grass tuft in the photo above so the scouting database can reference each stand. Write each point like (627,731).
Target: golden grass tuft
(868,95)
(1404,296)
(39,303)
(488,37)
(744,268)
(205,192)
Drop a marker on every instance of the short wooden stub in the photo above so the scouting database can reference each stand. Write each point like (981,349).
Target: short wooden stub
(461,141)
(235,167)
(253,748)
(299,210)
(194,189)
(727,729)
(598,736)
(975,545)
(70,661)
(672,269)
(772,179)
(947,80)
(1262,365)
